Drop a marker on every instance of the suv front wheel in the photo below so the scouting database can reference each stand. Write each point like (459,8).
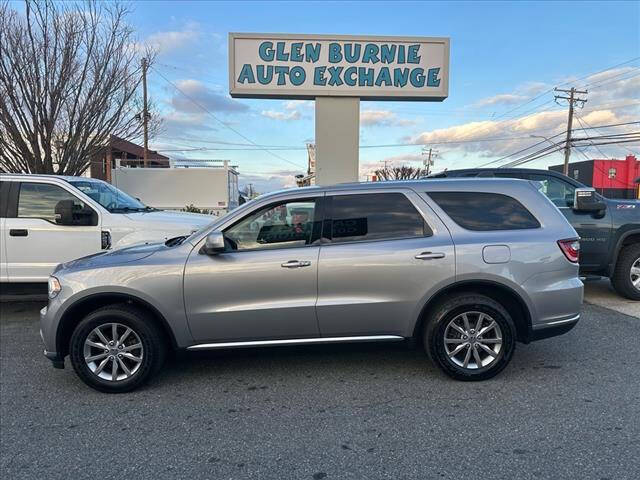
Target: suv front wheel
(116,348)
(626,276)
(470,337)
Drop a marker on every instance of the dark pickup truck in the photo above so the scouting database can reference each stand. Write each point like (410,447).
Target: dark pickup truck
(609,229)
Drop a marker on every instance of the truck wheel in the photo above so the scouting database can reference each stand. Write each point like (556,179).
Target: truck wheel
(116,348)
(626,276)
(470,337)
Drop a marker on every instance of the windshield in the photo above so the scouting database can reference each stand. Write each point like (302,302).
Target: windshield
(114,200)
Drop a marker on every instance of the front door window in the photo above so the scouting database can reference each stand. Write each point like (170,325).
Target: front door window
(558,191)
(282,225)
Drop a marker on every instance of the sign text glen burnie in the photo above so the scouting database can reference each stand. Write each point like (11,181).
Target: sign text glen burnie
(307,66)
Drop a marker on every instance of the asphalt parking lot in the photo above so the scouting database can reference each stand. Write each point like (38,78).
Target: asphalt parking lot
(567,407)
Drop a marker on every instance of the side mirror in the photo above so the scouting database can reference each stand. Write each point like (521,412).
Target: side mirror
(214,243)
(586,200)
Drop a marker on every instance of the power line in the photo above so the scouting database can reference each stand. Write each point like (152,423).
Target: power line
(600,71)
(519,151)
(546,151)
(621,138)
(221,122)
(605,126)
(585,131)
(607,81)
(565,83)
(251,147)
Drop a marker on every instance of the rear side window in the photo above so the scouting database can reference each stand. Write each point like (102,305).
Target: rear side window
(375,216)
(485,211)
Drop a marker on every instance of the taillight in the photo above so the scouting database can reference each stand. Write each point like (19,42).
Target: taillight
(570,248)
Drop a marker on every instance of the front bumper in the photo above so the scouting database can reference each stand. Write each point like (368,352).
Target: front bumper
(56,359)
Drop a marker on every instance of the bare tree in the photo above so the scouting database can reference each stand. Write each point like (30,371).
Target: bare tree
(69,77)
(400,173)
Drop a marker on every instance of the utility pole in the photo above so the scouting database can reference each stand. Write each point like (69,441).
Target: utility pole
(572,99)
(145,113)
(430,154)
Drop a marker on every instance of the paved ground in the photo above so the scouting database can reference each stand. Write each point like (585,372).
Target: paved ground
(600,292)
(567,407)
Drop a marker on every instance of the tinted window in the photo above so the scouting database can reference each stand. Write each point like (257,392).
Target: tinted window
(283,225)
(375,216)
(558,191)
(41,200)
(485,211)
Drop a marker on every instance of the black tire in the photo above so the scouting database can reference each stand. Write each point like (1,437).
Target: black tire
(153,350)
(474,304)
(621,278)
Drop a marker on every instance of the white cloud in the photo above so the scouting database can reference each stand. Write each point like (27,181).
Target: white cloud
(281,116)
(178,123)
(382,118)
(268,181)
(169,41)
(615,102)
(297,104)
(502,99)
(200,95)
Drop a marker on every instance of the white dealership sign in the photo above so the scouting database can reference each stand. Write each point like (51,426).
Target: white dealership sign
(310,66)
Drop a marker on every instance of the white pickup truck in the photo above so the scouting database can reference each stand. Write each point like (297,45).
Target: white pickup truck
(46,220)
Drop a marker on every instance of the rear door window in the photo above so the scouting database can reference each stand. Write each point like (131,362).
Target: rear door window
(374,216)
(485,211)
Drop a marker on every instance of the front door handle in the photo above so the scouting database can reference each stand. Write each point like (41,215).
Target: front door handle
(296,264)
(429,255)
(18,232)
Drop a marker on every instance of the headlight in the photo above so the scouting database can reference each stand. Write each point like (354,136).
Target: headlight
(54,287)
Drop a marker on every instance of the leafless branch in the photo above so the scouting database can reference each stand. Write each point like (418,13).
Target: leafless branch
(400,173)
(69,78)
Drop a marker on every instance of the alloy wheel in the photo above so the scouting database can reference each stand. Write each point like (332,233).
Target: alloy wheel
(634,274)
(113,352)
(473,340)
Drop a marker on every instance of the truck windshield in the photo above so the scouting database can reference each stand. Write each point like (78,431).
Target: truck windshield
(114,200)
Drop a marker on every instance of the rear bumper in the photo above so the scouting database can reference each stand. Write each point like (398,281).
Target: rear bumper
(553,329)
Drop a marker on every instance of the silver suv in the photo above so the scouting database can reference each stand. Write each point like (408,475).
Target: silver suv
(468,267)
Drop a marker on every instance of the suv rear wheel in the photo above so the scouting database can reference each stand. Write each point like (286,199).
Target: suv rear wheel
(626,276)
(470,337)
(116,348)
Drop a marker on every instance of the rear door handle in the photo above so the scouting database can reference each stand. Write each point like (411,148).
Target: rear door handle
(296,264)
(18,232)
(429,255)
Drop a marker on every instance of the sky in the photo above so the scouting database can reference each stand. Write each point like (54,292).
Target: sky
(505,60)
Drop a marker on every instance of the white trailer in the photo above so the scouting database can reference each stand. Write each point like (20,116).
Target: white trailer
(207,188)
